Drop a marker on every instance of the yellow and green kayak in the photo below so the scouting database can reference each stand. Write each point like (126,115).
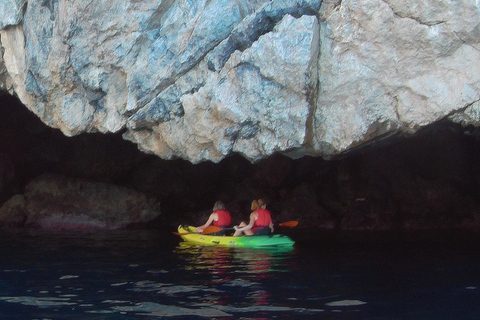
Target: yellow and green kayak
(276,240)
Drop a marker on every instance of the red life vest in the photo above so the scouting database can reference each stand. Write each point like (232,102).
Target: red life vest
(264,218)
(224,219)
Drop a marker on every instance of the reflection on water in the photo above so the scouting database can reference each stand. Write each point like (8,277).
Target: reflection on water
(223,261)
(237,270)
(146,275)
(140,275)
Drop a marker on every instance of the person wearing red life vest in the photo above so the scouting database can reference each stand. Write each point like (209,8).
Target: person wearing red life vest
(220,217)
(260,221)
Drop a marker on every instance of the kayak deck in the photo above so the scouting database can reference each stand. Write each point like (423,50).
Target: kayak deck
(277,240)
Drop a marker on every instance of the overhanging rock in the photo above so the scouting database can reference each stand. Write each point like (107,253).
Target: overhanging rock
(205,80)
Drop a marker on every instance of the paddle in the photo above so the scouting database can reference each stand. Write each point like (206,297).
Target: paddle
(289,224)
(181,234)
(213,229)
(208,230)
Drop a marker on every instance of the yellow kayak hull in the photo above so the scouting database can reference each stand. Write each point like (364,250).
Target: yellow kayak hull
(277,240)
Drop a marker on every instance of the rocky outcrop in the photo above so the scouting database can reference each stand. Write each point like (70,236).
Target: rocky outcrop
(12,213)
(403,65)
(58,202)
(204,80)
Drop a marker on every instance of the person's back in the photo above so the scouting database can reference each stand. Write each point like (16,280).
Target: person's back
(263,222)
(224,218)
(220,217)
(263,218)
(260,222)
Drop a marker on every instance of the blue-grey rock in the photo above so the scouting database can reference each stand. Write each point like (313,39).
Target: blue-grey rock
(201,80)
(11,12)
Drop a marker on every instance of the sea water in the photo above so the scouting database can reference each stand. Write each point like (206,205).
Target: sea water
(151,274)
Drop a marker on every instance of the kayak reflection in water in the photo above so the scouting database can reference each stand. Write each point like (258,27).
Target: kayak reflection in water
(260,221)
(220,217)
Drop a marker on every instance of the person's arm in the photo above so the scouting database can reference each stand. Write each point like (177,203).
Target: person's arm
(249,226)
(271,226)
(209,222)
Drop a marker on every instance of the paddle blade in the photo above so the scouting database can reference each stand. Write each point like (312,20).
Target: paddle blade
(181,234)
(289,224)
(211,229)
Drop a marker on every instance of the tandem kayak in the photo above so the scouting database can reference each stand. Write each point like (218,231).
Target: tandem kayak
(277,240)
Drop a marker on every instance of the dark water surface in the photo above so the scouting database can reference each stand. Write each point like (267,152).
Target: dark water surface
(154,275)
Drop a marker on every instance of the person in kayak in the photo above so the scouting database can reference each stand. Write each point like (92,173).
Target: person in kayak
(260,221)
(220,217)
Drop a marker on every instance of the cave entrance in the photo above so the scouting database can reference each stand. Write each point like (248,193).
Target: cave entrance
(428,181)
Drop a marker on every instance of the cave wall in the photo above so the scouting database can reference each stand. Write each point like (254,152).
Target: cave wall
(428,181)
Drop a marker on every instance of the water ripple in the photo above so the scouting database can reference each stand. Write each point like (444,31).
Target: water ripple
(40,302)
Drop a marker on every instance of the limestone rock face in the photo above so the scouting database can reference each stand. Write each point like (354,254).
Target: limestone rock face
(11,12)
(389,66)
(201,80)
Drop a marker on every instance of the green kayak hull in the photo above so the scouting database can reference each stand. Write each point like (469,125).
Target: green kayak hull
(277,240)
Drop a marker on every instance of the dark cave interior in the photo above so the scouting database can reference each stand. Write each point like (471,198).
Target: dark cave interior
(427,181)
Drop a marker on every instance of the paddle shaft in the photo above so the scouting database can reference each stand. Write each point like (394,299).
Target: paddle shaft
(213,229)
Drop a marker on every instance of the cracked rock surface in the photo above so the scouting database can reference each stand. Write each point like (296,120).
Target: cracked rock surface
(202,80)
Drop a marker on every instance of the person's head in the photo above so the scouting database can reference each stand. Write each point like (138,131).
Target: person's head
(262,204)
(219,205)
(254,205)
